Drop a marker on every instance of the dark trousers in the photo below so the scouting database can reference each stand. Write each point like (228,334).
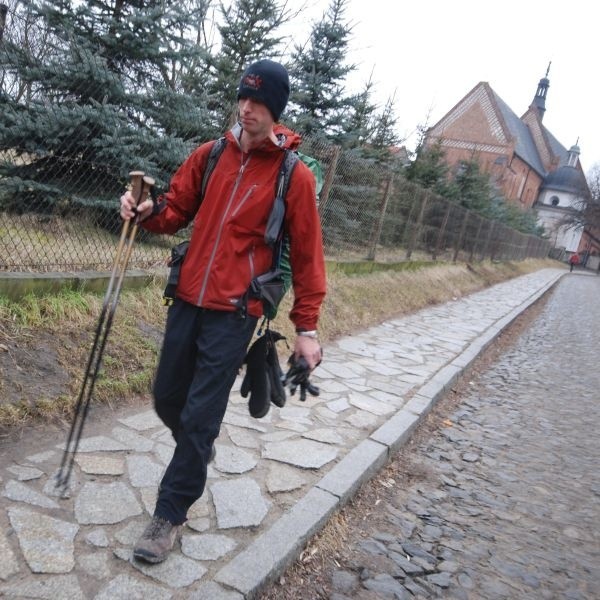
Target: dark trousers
(201,355)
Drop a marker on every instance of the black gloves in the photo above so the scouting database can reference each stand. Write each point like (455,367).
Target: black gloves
(264,380)
(264,377)
(298,375)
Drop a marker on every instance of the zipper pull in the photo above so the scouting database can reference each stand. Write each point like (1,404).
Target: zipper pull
(244,163)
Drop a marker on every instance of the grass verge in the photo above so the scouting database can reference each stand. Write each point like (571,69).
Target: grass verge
(45,341)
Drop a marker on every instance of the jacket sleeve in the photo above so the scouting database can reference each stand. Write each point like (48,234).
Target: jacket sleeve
(179,205)
(306,249)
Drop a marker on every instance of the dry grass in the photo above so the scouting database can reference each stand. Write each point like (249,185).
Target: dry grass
(44,341)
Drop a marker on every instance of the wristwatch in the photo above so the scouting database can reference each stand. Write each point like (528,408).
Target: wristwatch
(310,334)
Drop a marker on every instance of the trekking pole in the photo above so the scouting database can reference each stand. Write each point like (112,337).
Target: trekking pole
(140,187)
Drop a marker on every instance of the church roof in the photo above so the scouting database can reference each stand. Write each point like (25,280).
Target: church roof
(525,146)
(557,148)
(566,179)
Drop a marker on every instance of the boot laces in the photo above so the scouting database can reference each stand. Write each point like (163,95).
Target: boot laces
(157,528)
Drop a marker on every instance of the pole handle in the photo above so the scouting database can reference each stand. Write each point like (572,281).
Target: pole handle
(147,185)
(136,185)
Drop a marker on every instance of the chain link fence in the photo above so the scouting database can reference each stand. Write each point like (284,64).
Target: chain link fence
(65,158)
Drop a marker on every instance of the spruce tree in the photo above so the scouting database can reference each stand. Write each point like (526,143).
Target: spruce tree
(385,136)
(249,31)
(472,188)
(359,125)
(429,168)
(104,99)
(318,70)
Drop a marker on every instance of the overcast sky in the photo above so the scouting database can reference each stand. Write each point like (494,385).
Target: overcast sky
(433,52)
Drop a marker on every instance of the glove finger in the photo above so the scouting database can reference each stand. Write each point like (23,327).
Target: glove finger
(303,393)
(313,390)
(277,389)
(246,385)
(260,396)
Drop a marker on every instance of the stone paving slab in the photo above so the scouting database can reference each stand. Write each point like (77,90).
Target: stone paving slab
(275,481)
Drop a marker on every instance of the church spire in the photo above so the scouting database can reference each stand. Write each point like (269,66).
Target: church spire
(539,100)
(573,155)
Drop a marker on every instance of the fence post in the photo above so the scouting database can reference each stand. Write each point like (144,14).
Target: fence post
(461,235)
(517,250)
(324,196)
(378,228)
(476,240)
(3,11)
(495,242)
(489,239)
(531,247)
(417,229)
(442,232)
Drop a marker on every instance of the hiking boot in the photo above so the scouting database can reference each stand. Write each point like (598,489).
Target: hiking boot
(157,541)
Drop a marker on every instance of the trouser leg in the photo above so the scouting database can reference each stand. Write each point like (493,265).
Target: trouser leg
(220,346)
(176,364)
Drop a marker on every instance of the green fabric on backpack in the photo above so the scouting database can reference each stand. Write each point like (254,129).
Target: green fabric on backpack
(315,167)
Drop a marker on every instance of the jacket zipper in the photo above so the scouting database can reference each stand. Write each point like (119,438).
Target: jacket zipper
(243,200)
(251,261)
(222,224)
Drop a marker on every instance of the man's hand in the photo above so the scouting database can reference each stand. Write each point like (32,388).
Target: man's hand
(128,208)
(308,348)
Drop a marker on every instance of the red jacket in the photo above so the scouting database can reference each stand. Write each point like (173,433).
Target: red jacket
(227,247)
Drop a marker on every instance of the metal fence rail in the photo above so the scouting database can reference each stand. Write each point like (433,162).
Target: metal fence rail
(59,195)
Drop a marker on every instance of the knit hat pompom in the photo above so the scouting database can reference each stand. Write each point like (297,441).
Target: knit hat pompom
(268,82)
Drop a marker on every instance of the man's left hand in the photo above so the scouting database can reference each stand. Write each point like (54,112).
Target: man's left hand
(309,348)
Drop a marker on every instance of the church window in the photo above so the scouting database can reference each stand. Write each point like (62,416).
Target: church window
(554,200)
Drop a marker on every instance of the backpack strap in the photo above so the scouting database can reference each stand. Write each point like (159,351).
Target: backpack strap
(270,286)
(211,162)
(274,229)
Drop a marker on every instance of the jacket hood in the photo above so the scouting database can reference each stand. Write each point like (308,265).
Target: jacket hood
(287,138)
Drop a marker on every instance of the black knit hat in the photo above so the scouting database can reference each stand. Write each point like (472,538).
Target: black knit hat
(268,82)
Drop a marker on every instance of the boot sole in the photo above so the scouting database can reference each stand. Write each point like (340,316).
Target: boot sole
(147,557)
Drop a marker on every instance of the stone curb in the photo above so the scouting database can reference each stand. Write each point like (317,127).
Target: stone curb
(271,552)
(268,556)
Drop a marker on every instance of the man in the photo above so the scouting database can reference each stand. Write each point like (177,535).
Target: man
(205,338)
(573,261)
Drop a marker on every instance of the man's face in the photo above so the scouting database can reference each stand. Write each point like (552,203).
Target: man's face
(255,117)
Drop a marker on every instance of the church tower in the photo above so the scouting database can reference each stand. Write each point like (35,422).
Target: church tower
(539,100)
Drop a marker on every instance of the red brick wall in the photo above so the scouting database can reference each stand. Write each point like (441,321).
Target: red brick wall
(516,180)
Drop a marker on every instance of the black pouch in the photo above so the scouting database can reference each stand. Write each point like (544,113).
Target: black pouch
(268,287)
(177,255)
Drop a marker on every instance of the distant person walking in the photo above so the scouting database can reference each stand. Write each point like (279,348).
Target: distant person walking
(573,261)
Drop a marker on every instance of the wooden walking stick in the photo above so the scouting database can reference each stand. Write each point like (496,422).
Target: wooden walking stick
(140,187)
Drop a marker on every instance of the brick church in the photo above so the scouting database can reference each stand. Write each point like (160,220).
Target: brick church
(527,164)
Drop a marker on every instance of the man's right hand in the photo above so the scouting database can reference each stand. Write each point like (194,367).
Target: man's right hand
(128,208)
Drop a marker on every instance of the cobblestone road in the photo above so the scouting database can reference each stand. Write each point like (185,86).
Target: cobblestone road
(510,504)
